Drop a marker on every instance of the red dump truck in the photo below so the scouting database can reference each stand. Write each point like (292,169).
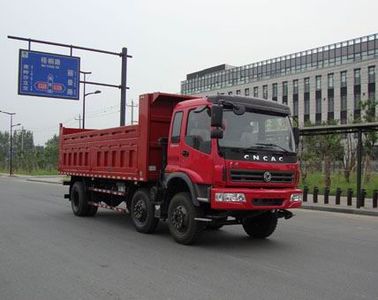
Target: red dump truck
(195,162)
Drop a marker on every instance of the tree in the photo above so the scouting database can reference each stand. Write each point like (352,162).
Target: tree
(321,148)
(51,152)
(370,138)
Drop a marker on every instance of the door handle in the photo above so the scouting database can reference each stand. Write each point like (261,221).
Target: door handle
(185,153)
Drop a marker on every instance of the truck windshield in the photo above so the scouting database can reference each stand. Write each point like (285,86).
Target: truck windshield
(256,130)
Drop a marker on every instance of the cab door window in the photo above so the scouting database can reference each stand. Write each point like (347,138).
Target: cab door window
(198,130)
(176,128)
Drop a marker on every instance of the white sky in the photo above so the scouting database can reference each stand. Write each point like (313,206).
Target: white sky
(167,38)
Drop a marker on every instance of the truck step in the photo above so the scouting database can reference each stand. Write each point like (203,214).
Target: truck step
(105,191)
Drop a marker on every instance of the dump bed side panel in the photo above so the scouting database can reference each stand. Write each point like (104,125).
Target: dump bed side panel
(127,152)
(107,153)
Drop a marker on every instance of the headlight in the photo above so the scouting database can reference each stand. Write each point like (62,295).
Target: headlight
(229,197)
(296,197)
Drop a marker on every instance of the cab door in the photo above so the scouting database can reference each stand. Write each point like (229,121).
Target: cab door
(195,151)
(173,150)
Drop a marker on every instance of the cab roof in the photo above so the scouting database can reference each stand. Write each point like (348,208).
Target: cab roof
(253,103)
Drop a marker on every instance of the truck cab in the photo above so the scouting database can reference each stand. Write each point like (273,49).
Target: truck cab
(238,157)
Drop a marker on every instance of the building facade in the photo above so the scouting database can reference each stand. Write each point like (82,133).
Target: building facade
(321,84)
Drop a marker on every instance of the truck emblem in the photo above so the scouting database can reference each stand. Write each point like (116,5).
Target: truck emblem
(267,158)
(267,177)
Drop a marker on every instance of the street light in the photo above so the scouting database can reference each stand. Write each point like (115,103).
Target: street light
(10,139)
(86,94)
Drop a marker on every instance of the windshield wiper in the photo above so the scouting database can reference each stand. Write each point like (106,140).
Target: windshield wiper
(273,145)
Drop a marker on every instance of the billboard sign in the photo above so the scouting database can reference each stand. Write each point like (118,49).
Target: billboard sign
(48,75)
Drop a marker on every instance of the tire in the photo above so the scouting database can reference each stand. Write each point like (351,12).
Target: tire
(142,212)
(181,223)
(92,210)
(260,227)
(79,199)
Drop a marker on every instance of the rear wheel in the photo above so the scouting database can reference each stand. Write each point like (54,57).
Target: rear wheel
(79,199)
(260,227)
(142,212)
(92,210)
(181,219)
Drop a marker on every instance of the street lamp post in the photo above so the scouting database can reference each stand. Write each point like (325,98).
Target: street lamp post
(86,94)
(10,140)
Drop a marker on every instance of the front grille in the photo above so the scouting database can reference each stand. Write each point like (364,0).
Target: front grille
(258,176)
(267,202)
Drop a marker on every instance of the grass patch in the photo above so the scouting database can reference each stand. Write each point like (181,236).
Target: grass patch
(338,181)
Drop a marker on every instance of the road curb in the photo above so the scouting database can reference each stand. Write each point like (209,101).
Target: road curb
(342,210)
(43,181)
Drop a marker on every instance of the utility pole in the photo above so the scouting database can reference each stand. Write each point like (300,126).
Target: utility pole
(132,110)
(79,119)
(10,140)
(86,94)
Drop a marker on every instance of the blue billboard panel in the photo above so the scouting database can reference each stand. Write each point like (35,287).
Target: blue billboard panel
(48,75)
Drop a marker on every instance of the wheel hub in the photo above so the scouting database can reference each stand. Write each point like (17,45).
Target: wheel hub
(179,218)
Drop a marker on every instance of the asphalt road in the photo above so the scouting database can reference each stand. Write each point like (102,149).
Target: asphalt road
(47,253)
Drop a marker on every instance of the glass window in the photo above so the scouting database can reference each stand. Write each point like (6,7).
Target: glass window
(265,91)
(357,76)
(256,91)
(198,130)
(256,131)
(357,101)
(343,103)
(274,87)
(371,74)
(330,81)
(284,88)
(307,85)
(318,80)
(318,106)
(331,104)
(246,92)
(176,129)
(295,107)
(238,92)
(295,86)
(230,93)
(343,78)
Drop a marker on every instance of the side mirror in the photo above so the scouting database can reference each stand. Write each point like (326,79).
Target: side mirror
(216,116)
(239,110)
(296,135)
(216,133)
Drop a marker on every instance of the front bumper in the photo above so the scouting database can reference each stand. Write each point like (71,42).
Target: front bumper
(257,199)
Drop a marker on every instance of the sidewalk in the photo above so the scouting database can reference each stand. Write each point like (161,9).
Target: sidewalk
(342,207)
(52,179)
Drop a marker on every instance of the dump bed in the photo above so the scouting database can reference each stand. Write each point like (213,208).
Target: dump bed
(126,152)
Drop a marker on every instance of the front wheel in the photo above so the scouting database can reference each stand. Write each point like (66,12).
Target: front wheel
(260,227)
(142,212)
(181,219)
